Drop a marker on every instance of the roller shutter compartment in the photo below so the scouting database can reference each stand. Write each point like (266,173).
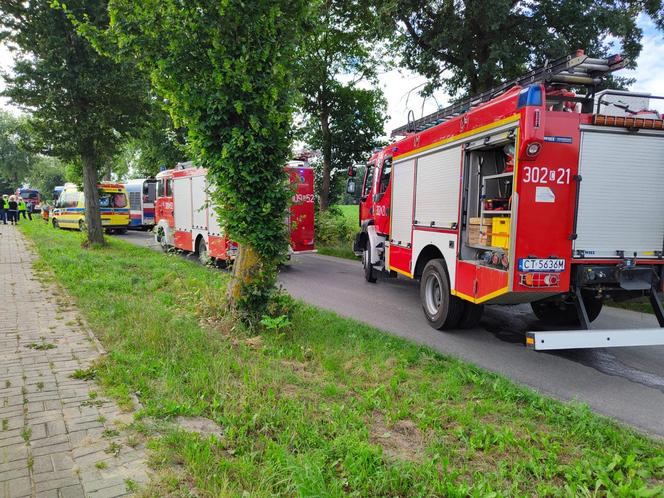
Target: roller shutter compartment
(621,196)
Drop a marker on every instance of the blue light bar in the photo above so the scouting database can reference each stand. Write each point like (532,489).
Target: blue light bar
(530,96)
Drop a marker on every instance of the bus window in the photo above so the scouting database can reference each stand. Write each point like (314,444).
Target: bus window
(150,191)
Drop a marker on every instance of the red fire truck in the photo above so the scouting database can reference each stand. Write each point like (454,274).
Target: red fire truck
(534,192)
(185,220)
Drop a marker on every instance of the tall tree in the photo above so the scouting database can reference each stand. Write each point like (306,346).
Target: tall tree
(339,52)
(468,46)
(15,160)
(157,144)
(356,120)
(82,103)
(226,74)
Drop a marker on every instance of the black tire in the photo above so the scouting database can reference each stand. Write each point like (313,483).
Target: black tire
(56,225)
(202,252)
(441,308)
(471,315)
(556,311)
(370,274)
(81,226)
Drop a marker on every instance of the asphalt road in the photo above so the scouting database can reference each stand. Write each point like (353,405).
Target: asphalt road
(624,383)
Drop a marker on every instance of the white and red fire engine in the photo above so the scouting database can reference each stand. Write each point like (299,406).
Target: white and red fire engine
(186,220)
(527,193)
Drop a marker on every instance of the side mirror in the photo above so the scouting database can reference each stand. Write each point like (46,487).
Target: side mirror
(351,186)
(352,172)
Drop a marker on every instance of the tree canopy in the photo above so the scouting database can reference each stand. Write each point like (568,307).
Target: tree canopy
(467,46)
(355,122)
(82,105)
(15,160)
(156,145)
(342,119)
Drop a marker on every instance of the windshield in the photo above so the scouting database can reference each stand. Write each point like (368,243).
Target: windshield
(29,194)
(110,200)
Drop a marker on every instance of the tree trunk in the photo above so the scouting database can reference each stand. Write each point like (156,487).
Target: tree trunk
(91,194)
(251,284)
(244,266)
(327,161)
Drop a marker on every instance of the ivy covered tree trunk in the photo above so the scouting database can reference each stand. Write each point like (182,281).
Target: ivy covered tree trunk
(326,135)
(93,224)
(235,97)
(251,283)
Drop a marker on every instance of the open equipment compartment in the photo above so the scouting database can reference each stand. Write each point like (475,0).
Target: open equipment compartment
(487,199)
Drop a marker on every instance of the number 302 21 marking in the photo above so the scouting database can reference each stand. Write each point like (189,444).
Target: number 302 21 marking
(544,175)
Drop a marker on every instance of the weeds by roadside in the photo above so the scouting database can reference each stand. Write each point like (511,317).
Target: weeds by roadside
(321,405)
(335,231)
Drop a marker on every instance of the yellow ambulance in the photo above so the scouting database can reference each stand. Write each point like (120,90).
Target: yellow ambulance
(69,210)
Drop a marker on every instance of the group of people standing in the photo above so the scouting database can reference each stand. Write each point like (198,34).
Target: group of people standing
(12,207)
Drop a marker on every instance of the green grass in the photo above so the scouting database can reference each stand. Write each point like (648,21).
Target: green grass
(642,305)
(327,406)
(351,213)
(337,251)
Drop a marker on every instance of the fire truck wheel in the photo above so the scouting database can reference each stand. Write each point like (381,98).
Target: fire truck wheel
(558,312)
(471,315)
(81,226)
(442,309)
(369,271)
(55,223)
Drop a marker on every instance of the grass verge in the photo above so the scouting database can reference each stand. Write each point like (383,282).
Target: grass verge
(338,252)
(642,305)
(325,406)
(335,231)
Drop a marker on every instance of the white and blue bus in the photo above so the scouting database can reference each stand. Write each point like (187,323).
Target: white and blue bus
(142,195)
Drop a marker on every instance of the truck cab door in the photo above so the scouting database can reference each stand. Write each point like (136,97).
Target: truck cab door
(382,195)
(366,198)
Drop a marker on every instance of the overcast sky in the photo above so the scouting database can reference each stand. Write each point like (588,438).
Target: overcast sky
(401,87)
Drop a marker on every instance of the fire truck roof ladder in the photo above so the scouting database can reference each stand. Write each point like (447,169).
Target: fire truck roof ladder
(577,69)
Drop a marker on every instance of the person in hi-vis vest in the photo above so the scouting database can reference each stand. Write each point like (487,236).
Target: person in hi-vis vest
(4,207)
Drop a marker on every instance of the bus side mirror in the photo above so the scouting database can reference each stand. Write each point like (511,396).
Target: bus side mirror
(351,186)
(352,172)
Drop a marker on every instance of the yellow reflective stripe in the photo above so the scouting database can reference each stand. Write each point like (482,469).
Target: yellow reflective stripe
(482,299)
(461,136)
(409,275)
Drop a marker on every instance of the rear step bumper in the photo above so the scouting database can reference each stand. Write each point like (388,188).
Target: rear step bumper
(580,339)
